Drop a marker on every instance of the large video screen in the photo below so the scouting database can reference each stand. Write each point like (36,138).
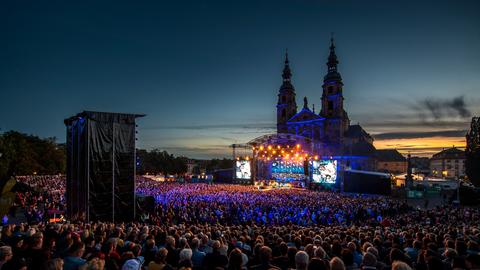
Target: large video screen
(324,171)
(242,169)
(287,170)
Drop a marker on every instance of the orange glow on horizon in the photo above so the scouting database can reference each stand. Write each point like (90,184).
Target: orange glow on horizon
(421,146)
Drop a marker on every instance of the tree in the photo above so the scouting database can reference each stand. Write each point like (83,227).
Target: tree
(218,164)
(472,151)
(160,162)
(23,154)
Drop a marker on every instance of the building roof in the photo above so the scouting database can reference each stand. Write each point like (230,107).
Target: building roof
(356,131)
(389,155)
(450,153)
(361,148)
(304,115)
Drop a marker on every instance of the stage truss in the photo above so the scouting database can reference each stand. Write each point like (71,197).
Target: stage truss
(280,157)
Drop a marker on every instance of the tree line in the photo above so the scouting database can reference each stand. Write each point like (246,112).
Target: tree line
(160,162)
(22,154)
(472,151)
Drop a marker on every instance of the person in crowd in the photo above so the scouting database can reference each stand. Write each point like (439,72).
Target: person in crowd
(399,265)
(301,260)
(74,258)
(5,255)
(55,264)
(160,261)
(215,259)
(318,264)
(282,260)
(369,262)
(235,260)
(185,259)
(197,256)
(172,257)
(149,251)
(337,264)
(265,259)
(135,263)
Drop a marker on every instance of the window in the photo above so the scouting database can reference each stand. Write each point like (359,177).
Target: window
(284,99)
(330,89)
(330,105)
(284,113)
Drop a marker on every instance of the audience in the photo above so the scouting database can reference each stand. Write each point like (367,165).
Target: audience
(203,227)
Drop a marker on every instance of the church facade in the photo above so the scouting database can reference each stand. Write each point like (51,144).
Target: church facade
(330,130)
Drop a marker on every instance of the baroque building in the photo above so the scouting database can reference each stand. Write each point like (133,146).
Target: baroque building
(329,130)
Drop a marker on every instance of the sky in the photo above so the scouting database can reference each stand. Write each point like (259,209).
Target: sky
(207,73)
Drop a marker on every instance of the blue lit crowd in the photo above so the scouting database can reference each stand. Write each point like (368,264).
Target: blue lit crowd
(235,204)
(202,227)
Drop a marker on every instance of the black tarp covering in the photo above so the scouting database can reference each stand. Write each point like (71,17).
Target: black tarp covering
(76,169)
(101,166)
(365,183)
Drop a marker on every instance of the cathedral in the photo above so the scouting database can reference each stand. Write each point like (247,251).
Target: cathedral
(329,130)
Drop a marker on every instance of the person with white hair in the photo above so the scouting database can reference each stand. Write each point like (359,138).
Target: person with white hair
(301,260)
(185,258)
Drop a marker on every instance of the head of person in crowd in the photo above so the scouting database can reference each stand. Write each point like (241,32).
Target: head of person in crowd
(185,258)
(399,265)
(235,260)
(265,255)
(337,264)
(369,261)
(301,260)
(55,264)
(6,254)
(317,264)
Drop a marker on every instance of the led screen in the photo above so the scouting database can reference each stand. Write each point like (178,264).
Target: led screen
(242,169)
(287,170)
(324,171)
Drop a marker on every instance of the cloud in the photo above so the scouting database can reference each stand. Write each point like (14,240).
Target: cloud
(255,126)
(414,135)
(437,109)
(405,123)
(200,152)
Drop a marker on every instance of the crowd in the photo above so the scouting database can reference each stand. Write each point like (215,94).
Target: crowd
(202,227)
(46,196)
(236,204)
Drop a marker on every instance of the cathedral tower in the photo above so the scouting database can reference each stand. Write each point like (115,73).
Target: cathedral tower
(337,121)
(286,105)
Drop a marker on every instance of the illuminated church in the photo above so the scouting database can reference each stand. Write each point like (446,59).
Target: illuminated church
(329,131)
